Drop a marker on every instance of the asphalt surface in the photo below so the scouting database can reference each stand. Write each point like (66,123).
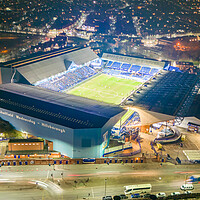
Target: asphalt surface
(88,181)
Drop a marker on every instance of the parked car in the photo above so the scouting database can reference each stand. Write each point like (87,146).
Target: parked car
(107,198)
(123,196)
(188,192)
(175,193)
(116,197)
(152,196)
(160,194)
(168,157)
(135,195)
(147,195)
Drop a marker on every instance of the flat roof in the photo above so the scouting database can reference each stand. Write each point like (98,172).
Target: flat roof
(25,140)
(193,155)
(61,108)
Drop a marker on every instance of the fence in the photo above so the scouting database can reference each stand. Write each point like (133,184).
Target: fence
(69,161)
(117,149)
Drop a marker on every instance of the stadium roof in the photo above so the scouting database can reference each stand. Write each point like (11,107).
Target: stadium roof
(37,68)
(59,108)
(170,93)
(149,117)
(134,60)
(195,107)
(84,55)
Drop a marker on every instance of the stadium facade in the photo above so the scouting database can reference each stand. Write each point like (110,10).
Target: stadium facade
(78,127)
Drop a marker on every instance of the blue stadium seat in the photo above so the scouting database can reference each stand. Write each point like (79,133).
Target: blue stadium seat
(67,79)
(125,67)
(145,70)
(135,68)
(109,63)
(116,65)
(153,71)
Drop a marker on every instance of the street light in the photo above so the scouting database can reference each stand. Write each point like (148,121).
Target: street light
(105,186)
(186,177)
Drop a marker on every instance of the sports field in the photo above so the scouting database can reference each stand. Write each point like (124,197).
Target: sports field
(105,88)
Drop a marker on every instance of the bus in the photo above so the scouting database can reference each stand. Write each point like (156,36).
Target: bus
(89,160)
(137,189)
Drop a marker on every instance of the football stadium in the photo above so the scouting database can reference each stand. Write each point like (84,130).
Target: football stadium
(79,101)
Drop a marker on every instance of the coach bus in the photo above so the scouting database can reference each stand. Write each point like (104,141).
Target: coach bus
(137,189)
(89,160)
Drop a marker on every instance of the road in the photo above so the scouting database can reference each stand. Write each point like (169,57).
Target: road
(81,181)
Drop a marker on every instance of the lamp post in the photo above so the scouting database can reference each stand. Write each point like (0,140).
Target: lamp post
(105,186)
(186,177)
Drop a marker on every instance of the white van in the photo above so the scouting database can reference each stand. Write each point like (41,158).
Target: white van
(175,193)
(161,194)
(187,187)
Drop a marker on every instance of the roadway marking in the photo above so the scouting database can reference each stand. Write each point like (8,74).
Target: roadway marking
(48,175)
(92,192)
(191,172)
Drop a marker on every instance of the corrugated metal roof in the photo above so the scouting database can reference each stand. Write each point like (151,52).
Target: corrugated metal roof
(44,66)
(134,60)
(64,109)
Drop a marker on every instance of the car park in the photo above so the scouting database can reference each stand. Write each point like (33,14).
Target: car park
(160,194)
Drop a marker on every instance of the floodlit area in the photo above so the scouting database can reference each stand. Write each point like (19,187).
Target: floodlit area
(106,88)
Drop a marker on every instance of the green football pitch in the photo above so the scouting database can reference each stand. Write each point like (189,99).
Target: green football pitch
(105,88)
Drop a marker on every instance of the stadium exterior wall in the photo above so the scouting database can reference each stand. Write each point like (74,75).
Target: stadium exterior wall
(93,149)
(67,141)
(6,75)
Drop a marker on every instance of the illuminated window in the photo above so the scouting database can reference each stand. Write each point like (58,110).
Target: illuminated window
(14,144)
(22,144)
(26,144)
(29,143)
(33,143)
(18,144)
